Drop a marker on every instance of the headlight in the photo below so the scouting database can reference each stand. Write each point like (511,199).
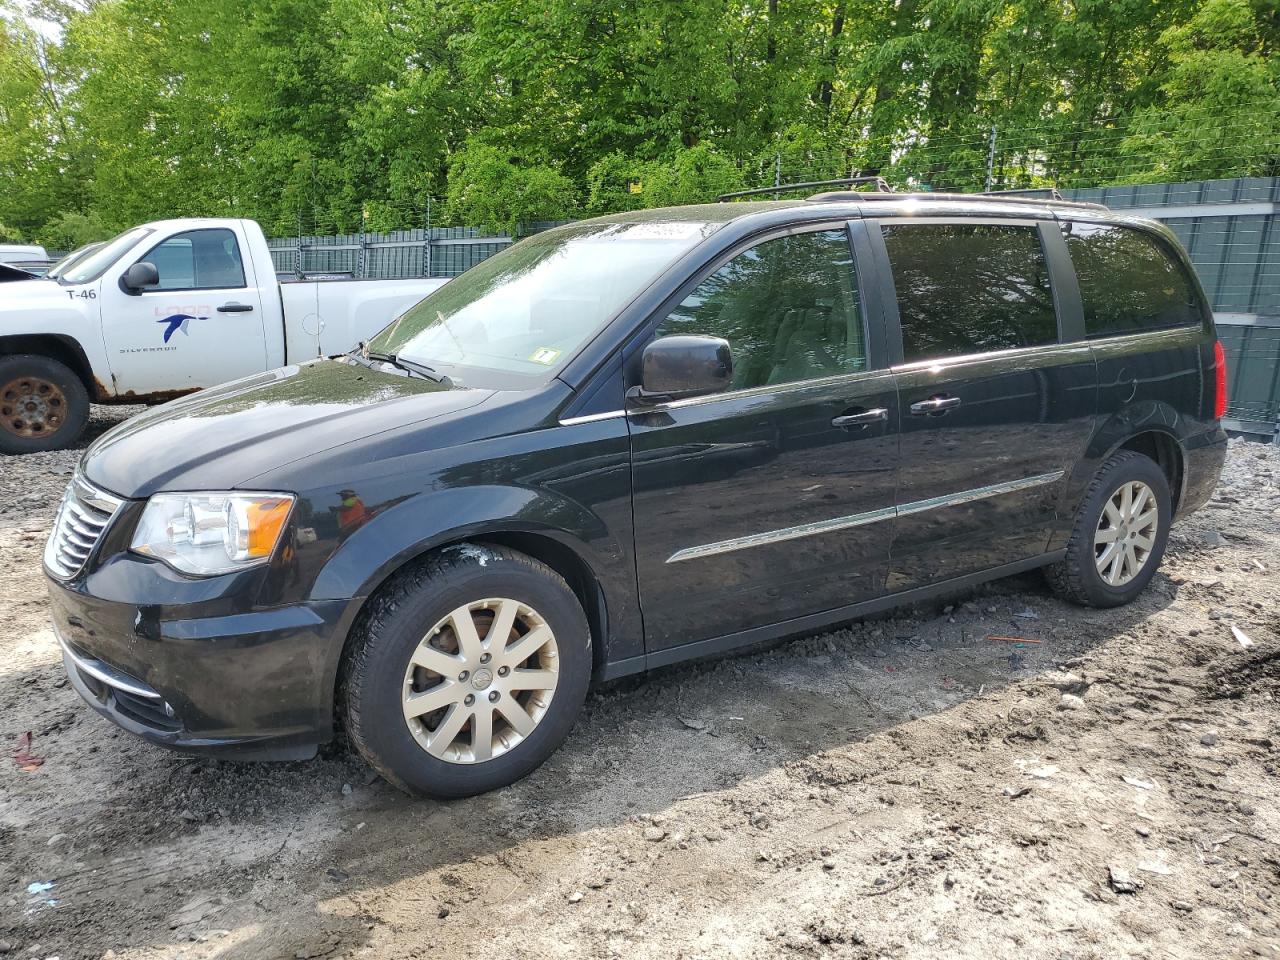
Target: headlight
(210,533)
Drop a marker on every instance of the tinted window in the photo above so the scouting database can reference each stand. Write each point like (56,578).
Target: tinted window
(970,288)
(1128,281)
(788,307)
(198,259)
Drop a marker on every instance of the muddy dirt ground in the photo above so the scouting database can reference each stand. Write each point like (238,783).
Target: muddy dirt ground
(904,787)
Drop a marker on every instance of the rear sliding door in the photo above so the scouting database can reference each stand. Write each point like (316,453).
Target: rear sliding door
(997,395)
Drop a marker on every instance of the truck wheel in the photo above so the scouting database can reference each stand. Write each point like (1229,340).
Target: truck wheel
(43,404)
(1119,535)
(467,672)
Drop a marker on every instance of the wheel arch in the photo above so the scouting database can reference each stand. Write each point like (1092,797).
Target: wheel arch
(577,546)
(66,350)
(542,545)
(1163,447)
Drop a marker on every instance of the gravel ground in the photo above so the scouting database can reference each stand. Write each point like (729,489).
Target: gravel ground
(904,787)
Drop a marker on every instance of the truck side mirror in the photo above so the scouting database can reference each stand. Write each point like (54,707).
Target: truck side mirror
(138,277)
(684,366)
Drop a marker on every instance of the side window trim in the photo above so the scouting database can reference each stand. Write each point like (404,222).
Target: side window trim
(889,293)
(235,236)
(873,334)
(1062,282)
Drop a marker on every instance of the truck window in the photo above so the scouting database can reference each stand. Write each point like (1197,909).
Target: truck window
(1129,282)
(970,288)
(198,260)
(788,307)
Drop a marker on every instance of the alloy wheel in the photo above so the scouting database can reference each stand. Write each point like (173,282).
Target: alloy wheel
(481,680)
(1126,533)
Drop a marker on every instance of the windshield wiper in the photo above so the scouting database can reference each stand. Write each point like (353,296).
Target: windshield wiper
(410,366)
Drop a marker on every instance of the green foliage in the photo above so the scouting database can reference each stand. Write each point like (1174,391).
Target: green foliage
(332,115)
(489,186)
(615,183)
(1220,92)
(695,175)
(71,230)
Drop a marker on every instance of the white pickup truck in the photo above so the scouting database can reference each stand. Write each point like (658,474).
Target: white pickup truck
(164,309)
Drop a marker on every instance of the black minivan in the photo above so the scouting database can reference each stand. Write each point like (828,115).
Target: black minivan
(631,441)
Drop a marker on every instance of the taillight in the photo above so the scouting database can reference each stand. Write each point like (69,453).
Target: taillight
(1220,384)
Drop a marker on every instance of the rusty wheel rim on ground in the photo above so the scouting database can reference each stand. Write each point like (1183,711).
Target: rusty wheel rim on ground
(32,407)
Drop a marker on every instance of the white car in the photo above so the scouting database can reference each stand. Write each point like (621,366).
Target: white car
(162,310)
(9,252)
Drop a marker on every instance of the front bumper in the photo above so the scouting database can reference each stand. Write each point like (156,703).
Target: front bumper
(256,685)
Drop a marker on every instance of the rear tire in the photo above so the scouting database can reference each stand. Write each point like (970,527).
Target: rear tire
(467,672)
(1116,543)
(43,404)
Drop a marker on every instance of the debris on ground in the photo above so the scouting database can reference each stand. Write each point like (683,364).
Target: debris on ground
(1122,881)
(27,761)
(1138,782)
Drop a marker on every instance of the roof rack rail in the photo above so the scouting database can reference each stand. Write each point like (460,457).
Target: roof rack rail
(881,185)
(1038,193)
(845,196)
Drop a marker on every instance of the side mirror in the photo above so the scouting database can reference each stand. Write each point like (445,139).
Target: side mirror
(138,277)
(684,366)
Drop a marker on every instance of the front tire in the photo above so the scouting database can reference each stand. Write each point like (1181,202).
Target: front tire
(43,404)
(1119,534)
(467,672)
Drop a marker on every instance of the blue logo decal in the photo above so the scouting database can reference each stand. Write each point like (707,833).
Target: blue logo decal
(176,322)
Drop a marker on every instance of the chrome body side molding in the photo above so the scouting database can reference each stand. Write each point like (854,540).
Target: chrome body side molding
(859,519)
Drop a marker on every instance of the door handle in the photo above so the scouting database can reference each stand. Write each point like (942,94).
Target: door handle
(861,419)
(923,408)
(235,308)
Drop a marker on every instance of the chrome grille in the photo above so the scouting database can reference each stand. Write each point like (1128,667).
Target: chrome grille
(83,515)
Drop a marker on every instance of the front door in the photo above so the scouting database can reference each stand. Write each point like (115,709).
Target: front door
(997,401)
(201,325)
(774,499)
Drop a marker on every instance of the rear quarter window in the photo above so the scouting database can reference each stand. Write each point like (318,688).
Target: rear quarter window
(1129,281)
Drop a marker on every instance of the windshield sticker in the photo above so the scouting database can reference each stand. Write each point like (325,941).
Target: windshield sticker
(545,355)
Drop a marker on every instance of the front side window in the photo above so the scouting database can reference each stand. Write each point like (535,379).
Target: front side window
(1129,282)
(198,260)
(788,307)
(970,288)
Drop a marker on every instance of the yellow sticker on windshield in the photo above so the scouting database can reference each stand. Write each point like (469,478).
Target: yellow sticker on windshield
(545,355)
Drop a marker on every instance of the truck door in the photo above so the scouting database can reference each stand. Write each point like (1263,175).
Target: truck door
(201,325)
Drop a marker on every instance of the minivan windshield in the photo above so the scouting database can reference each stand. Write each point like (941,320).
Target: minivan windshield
(89,267)
(526,311)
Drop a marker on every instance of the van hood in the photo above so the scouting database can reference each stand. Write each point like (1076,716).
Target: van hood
(218,439)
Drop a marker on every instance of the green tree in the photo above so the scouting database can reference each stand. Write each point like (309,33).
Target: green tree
(1221,93)
(695,175)
(489,186)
